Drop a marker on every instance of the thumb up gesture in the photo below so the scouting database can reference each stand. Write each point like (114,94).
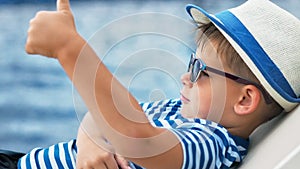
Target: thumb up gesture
(50,32)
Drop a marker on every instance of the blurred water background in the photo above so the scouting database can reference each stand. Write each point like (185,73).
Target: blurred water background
(38,106)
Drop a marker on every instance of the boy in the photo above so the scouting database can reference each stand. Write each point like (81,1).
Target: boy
(249,52)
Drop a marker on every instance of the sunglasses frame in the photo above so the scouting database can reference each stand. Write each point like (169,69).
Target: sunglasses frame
(235,78)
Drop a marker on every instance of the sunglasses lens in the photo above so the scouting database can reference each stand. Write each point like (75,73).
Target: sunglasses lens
(196,71)
(190,63)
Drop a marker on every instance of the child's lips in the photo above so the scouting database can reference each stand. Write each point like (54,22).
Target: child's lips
(184,99)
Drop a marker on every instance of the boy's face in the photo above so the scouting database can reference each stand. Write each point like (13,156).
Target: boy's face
(211,94)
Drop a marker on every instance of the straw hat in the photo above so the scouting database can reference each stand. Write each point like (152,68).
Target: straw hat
(268,40)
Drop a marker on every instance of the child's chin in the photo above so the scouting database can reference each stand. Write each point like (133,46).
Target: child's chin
(187,111)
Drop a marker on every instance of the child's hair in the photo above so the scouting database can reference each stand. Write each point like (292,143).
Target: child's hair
(208,33)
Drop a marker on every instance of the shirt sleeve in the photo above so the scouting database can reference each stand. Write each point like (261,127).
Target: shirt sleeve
(61,155)
(204,147)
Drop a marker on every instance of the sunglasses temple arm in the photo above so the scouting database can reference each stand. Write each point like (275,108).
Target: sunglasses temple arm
(265,94)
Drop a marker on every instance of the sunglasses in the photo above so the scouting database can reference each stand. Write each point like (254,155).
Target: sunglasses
(197,66)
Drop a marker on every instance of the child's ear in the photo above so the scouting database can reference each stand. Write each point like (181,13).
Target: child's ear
(248,100)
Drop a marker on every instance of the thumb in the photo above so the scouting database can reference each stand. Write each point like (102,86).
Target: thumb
(63,5)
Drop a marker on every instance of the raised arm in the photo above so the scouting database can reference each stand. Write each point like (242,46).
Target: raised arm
(114,109)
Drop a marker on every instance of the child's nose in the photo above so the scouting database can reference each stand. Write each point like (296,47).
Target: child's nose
(185,79)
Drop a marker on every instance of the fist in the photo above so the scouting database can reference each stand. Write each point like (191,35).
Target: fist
(50,32)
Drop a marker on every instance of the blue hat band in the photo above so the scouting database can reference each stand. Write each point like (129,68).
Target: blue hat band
(240,34)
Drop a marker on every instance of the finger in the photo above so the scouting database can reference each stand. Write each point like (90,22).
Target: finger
(90,165)
(122,162)
(111,163)
(63,5)
(28,46)
(29,49)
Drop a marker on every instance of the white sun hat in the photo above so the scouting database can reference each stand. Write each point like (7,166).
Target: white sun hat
(268,40)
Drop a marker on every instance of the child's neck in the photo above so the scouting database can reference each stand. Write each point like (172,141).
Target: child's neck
(240,133)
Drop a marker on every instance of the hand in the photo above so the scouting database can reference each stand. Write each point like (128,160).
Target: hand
(50,32)
(91,155)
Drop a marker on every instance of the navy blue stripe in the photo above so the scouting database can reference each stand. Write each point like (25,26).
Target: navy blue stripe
(28,165)
(156,116)
(19,163)
(67,156)
(137,166)
(222,137)
(239,33)
(149,105)
(36,158)
(216,150)
(224,167)
(141,104)
(57,157)
(169,102)
(75,146)
(172,123)
(193,146)
(171,114)
(182,135)
(235,149)
(229,157)
(201,151)
(159,104)
(173,110)
(209,150)
(158,123)
(207,137)
(46,158)
(162,109)
(153,108)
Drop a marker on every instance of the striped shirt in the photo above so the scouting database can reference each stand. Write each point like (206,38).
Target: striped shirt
(206,144)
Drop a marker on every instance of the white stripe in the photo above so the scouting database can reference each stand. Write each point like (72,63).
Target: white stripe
(212,149)
(74,153)
(41,160)
(23,162)
(241,148)
(32,160)
(197,152)
(218,162)
(178,122)
(226,161)
(145,105)
(223,150)
(183,146)
(62,155)
(173,116)
(52,157)
(155,104)
(190,150)
(206,147)
(71,154)
(162,115)
(165,124)
(157,110)
(193,154)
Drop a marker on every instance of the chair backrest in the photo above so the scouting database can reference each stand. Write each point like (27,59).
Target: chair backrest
(276,144)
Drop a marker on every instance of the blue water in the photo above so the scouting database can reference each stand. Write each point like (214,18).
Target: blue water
(36,97)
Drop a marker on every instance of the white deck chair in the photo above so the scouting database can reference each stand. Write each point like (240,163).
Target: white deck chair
(276,144)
